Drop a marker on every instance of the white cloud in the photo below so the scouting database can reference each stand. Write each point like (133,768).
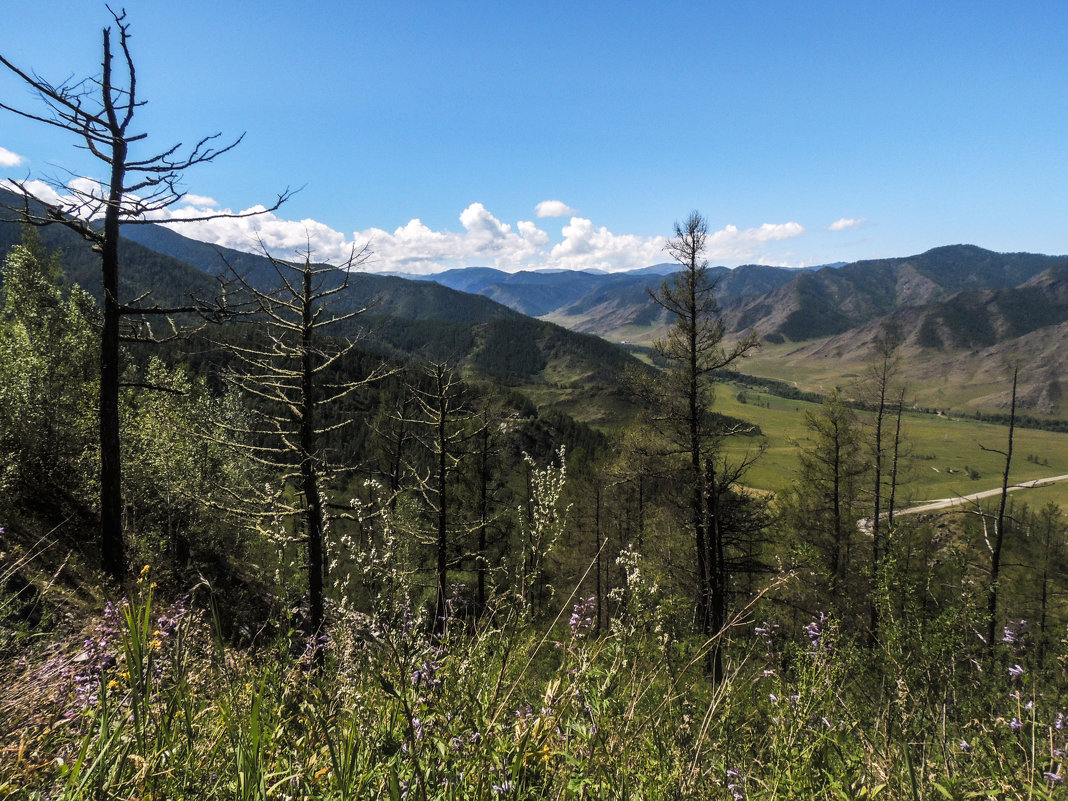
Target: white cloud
(416,248)
(84,197)
(282,238)
(9,159)
(530,232)
(734,244)
(484,241)
(39,189)
(483,225)
(199,200)
(589,247)
(844,223)
(552,208)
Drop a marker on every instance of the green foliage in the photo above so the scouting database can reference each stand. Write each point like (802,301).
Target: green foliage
(500,708)
(177,468)
(575,673)
(822,507)
(48,360)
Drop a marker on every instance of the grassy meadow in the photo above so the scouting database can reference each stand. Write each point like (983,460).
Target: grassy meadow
(943,454)
(957,382)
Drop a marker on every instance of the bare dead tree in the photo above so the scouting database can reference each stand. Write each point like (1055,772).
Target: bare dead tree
(289,375)
(488,482)
(99,112)
(881,374)
(895,462)
(996,546)
(443,425)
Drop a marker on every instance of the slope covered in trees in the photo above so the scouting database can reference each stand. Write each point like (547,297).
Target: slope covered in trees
(349,572)
(480,557)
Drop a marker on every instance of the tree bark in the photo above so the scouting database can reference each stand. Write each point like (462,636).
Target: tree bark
(999,527)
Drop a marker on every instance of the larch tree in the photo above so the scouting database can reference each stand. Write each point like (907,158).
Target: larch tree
(290,374)
(823,506)
(136,188)
(881,393)
(443,425)
(1050,528)
(694,350)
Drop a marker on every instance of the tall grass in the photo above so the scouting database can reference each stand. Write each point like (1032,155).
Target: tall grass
(155,706)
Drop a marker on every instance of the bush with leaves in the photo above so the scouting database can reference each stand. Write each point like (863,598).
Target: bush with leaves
(48,383)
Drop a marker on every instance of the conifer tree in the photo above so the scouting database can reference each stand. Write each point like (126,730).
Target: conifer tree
(694,350)
(823,506)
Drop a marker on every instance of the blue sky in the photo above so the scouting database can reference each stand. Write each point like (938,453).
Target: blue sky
(435,130)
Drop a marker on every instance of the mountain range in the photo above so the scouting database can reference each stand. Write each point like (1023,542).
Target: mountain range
(404,319)
(964,314)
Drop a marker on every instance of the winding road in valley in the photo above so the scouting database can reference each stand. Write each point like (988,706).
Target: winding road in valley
(946,503)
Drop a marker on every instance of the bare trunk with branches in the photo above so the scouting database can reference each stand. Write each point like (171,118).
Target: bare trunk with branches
(100,112)
(289,373)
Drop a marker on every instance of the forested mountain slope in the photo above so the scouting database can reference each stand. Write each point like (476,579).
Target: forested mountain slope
(779,303)
(405,319)
(957,351)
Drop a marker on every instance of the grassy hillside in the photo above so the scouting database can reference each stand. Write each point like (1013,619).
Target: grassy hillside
(964,381)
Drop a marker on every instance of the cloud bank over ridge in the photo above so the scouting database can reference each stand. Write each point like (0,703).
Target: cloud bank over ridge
(484,240)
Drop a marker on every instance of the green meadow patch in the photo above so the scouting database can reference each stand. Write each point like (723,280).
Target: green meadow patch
(944,455)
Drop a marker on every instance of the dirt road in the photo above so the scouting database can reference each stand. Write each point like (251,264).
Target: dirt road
(946,503)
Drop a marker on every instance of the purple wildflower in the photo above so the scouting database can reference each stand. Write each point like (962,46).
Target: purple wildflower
(814,632)
(1053,778)
(735,784)
(425,676)
(767,632)
(965,746)
(1016,672)
(582,616)
(99,655)
(1013,632)
(1015,724)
